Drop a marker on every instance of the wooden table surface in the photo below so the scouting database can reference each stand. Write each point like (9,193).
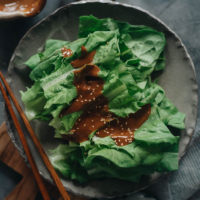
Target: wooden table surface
(27,188)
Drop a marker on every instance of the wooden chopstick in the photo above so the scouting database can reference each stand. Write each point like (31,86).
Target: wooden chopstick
(25,145)
(40,149)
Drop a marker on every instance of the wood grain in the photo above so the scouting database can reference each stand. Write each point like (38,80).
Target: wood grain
(37,143)
(24,142)
(27,189)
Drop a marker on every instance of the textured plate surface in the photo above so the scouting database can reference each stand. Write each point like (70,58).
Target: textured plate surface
(178,81)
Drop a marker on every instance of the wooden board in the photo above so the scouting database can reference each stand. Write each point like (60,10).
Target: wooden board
(27,189)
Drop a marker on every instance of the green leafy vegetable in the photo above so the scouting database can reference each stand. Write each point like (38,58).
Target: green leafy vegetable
(126,55)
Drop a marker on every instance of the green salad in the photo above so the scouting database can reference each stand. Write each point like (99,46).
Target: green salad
(97,93)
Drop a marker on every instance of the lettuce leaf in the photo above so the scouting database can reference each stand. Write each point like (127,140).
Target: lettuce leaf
(50,46)
(126,56)
(170,115)
(60,89)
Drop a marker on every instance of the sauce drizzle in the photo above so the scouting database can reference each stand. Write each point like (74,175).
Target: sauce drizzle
(85,58)
(96,115)
(89,89)
(122,129)
(66,52)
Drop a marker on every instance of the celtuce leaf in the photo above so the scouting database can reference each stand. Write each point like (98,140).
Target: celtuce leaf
(125,56)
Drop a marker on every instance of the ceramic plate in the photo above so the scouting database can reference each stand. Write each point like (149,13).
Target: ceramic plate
(178,81)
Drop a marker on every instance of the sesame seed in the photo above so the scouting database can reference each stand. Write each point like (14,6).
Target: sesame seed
(106,129)
(121,133)
(76,99)
(85,99)
(97,85)
(126,123)
(125,140)
(77,128)
(105,106)
(104,122)
(90,93)
(119,140)
(92,120)
(122,129)
(89,99)
(97,133)
(99,99)
(81,96)
(82,101)
(76,74)
(93,126)
(121,125)
(88,111)
(84,124)
(79,119)
(96,106)
(93,98)
(78,86)
(112,129)
(99,106)
(121,144)
(76,122)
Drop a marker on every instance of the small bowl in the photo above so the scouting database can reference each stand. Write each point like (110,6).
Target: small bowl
(17,10)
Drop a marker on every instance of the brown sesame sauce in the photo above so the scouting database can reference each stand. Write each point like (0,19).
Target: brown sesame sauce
(96,115)
(66,52)
(89,89)
(121,130)
(90,121)
(29,7)
(85,58)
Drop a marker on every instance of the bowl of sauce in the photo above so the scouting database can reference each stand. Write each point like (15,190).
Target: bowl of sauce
(20,8)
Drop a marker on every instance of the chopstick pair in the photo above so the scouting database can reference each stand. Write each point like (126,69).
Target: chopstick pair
(35,140)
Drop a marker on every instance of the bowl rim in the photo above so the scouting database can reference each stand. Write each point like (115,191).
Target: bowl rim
(19,14)
(9,129)
(11,15)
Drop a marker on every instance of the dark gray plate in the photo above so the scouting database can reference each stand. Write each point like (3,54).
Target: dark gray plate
(178,81)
